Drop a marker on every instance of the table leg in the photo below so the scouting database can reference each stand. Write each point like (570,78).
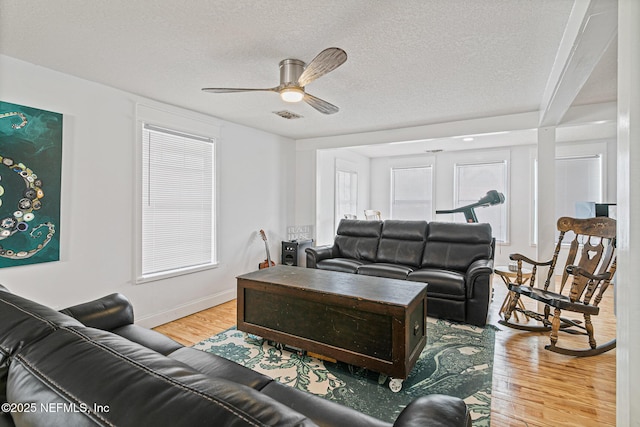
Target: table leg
(521,305)
(507,301)
(505,304)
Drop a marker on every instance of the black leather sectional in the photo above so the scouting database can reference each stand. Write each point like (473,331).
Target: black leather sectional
(454,259)
(92,366)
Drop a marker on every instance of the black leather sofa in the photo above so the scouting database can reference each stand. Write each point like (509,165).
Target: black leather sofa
(454,259)
(91,365)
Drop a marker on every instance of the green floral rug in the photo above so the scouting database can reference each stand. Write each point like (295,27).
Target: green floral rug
(457,360)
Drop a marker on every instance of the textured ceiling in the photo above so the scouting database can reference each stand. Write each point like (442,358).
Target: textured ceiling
(410,62)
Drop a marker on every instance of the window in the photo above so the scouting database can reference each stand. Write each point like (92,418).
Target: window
(346,194)
(472,181)
(579,179)
(412,193)
(178,198)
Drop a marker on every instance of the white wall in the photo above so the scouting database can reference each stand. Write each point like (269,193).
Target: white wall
(519,195)
(256,184)
(584,125)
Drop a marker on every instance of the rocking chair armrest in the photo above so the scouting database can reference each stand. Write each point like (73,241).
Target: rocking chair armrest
(520,257)
(579,271)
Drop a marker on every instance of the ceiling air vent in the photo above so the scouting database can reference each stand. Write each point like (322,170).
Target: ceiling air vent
(287,115)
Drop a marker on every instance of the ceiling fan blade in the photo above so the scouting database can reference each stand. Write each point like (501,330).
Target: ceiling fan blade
(321,105)
(232,90)
(326,61)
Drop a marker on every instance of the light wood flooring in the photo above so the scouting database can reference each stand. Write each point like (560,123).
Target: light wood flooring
(532,387)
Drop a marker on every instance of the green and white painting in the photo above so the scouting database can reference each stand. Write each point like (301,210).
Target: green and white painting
(30,170)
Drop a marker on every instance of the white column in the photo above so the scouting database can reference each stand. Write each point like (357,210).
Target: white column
(546,197)
(628,274)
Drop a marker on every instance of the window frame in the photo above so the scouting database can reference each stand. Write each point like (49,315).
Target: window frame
(353,173)
(189,123)
(392,171)
(506,179)
(569,151)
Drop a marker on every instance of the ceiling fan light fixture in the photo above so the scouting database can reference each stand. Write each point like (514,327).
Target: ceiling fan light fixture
(291,94)
(295,75)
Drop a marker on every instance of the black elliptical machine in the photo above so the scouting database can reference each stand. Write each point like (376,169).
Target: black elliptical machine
(493,197)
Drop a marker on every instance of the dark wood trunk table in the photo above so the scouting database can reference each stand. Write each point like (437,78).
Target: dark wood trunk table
(366,321)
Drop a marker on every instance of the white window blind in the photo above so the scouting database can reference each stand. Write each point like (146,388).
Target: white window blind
(578,179)
(346,194)
(412,193)
(472,183)
(177,201)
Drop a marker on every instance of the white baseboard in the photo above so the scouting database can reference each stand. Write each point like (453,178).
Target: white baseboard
(186,309)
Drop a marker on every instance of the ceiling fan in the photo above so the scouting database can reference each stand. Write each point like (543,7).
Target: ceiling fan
(294,76)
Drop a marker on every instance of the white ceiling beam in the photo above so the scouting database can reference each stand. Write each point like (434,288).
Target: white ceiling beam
(582,122)
(592,26)
(509,122)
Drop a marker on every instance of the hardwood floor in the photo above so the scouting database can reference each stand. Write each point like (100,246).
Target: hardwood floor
(194,328)
(532,387)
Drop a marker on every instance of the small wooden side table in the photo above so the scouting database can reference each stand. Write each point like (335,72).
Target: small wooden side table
(506,274)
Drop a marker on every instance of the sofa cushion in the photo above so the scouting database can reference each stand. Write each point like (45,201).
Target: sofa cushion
(22,322)
(391,271)
(454,246)
(358,239)
(441,283)
(6,420)
(321,411)
(148,338)
(402,242)
(137,386)
(343,265)
(216,366)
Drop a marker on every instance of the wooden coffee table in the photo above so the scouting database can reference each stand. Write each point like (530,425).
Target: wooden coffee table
(366,321)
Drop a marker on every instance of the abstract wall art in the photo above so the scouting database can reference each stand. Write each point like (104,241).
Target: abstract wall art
(30,180)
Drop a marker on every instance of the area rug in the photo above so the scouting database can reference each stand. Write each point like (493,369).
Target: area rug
(457,360)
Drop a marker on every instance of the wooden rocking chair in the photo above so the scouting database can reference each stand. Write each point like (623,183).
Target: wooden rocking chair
(591,264)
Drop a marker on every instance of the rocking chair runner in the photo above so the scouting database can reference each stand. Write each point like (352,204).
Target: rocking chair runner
(591,264)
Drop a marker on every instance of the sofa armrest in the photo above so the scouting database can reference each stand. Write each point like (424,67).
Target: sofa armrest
(317,254)
(106,313)
(478,282)
(435,410)
(478,269)
(5,419)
